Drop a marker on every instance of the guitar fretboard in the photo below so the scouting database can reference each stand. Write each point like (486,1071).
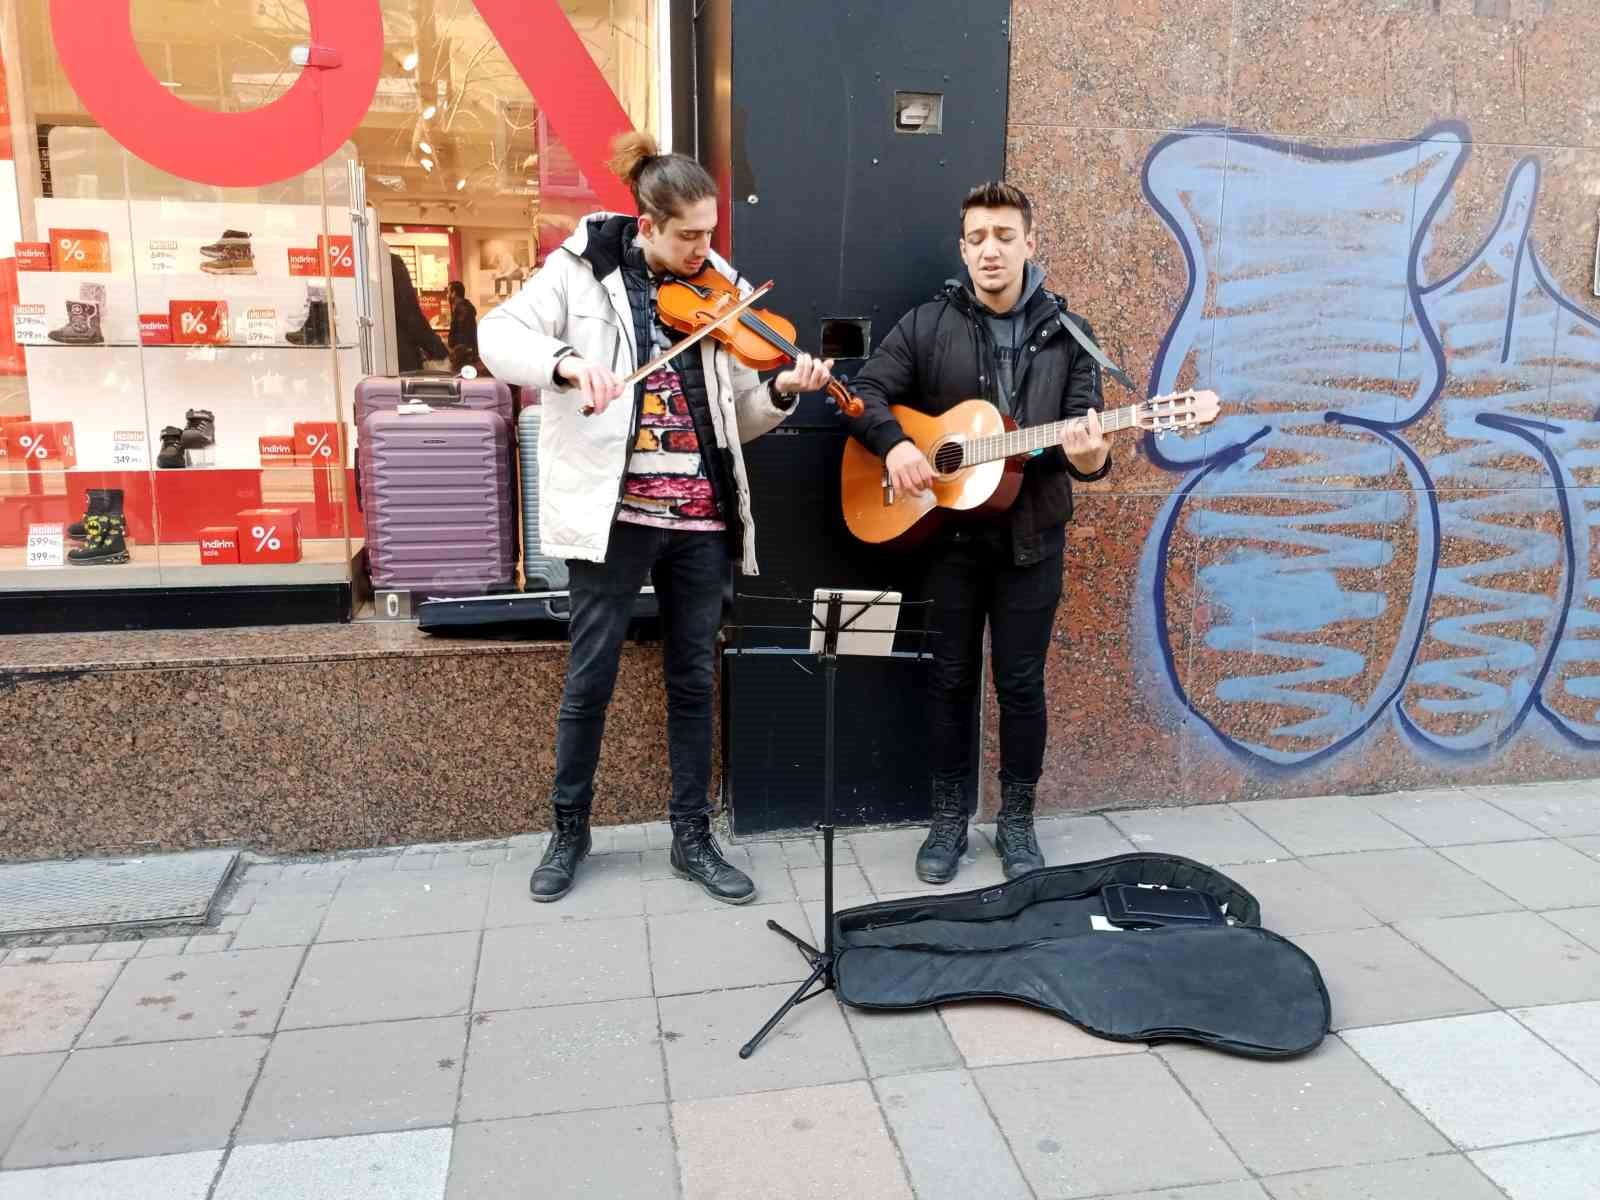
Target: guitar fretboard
(1038,437)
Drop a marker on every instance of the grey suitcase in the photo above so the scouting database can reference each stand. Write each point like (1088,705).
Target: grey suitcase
(381,393)
(436,492)
(540,572)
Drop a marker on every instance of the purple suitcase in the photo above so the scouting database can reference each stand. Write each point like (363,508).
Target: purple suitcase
(383,393)
(437,496)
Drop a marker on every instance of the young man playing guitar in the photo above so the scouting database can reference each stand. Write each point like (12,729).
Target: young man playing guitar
(995,334)
(647,485)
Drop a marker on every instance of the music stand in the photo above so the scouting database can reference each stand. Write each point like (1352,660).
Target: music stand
(842,621)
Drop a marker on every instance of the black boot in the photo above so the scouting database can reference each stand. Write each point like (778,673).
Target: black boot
(696,857)
(82,327)
(106,543)
(97,505)
(569,846)
(314,330)
(1014,839)
(200,429)
(171,454)
(941,851)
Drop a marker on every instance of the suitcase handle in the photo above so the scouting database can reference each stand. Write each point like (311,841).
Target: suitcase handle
(444,389)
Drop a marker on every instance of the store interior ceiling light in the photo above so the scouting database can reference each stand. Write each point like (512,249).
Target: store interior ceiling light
(409,62)
(430,112)
(424,147)
(427,164)
(460,184)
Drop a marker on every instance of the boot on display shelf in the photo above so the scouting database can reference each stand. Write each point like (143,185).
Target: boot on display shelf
(82,327)
(314,330)
(171,454)
(101,502)
(106,543)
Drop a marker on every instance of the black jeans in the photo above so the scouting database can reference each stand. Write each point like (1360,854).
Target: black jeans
(688,570)
(973,580)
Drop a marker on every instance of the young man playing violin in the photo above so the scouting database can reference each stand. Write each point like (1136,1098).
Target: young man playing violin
(649,485)
(997,334)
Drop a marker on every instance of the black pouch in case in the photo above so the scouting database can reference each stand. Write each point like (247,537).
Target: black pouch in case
(1130,906)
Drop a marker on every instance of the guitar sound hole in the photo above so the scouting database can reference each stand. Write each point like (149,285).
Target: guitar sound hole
(947,458)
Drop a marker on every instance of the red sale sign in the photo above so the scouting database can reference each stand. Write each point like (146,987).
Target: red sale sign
(340,254)
(305,262)
(199,322)
(34,256)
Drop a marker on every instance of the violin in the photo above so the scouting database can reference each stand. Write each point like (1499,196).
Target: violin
(760,339)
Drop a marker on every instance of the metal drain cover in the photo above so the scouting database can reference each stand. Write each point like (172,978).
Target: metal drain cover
(52,896)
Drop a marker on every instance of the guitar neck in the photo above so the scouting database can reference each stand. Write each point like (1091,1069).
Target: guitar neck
(1038,437)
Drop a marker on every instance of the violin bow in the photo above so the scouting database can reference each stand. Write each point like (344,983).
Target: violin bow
(668,355)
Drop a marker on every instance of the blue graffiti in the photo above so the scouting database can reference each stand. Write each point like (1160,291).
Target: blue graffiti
(1352,562)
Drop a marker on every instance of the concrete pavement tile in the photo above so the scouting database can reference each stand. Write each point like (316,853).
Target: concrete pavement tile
(1296,900)
(694,952)
(825,1143)
(45,1007)
(1238,1190)
(167,1177)
(1325,825)
(896,1042)
(628,839)
(1569,809)
(1442,1177)
(1078,839)
(1376,977)
(416,861)
(1542,874)
(376,1166)
(888,859)
(407,904)
(663,897)
(1210,833)
(703,1033)
(239,993)
(925,1111)
(116,950)
(165,1098)
(1573,1029)
(1566,1169)
(544,1060)
(574,1156)
(23,1078)
(282,921)
(82,952)
(1581,923)
(849,884)
(1449,817)
(203,943)
(1515,959)
(608,886)
(390,979)
(655,864)
(1069,1124)
(807,851)
(1401,885)
(163,946)
(357,1079)
(575,963)
(657,834)
(1323,1109)
(1483,1079)
(991,1032)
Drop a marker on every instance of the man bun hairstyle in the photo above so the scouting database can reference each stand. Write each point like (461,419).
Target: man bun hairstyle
(998,194)
(663,185)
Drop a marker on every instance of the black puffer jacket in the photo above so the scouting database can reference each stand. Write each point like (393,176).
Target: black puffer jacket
(941,354)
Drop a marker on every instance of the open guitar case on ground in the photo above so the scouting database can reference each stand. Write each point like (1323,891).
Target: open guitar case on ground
(1047,940)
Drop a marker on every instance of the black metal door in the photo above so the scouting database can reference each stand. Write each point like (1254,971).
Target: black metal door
(846,135)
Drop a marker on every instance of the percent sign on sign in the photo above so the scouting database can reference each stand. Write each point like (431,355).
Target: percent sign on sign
(195,324)
(72,250)
(266,537)
(33,446)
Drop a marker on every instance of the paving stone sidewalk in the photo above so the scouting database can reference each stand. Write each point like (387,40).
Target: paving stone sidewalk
(410,1026)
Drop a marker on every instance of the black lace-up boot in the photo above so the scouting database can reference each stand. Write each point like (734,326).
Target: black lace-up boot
(569,846)
(1014,839)
(98,505)
(940,855)
(697,857)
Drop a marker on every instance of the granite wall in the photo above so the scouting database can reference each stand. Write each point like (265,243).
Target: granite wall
(1370,226)
(300,738)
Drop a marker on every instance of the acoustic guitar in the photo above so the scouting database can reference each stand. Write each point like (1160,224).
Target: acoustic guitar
(978,457)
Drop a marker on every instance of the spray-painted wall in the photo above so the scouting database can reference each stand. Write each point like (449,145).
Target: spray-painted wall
(1370,227)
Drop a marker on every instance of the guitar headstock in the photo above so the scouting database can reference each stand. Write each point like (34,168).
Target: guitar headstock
(1178,411)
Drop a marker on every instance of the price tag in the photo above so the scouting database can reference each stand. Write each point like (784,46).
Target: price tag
(46,546)
(162,257)
(128,450)
(260,326)
(29,325)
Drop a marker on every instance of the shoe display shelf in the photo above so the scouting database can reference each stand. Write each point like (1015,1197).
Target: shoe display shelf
(112,372)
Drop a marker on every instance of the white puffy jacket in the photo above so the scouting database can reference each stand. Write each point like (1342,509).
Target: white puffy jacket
(582,459)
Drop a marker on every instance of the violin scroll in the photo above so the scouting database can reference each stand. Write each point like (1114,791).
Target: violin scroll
(847,404)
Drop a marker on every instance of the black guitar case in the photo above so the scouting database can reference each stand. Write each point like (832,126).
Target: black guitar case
(1045,940)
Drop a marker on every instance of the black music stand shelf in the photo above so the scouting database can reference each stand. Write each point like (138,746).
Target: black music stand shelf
(868,628)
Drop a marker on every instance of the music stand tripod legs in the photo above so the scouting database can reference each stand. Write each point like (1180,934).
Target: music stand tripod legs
(821,960)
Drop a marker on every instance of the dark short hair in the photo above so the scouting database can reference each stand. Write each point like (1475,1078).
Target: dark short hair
(997,194)
(457,288)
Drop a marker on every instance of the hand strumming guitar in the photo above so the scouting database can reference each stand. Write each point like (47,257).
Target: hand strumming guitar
(909,469)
